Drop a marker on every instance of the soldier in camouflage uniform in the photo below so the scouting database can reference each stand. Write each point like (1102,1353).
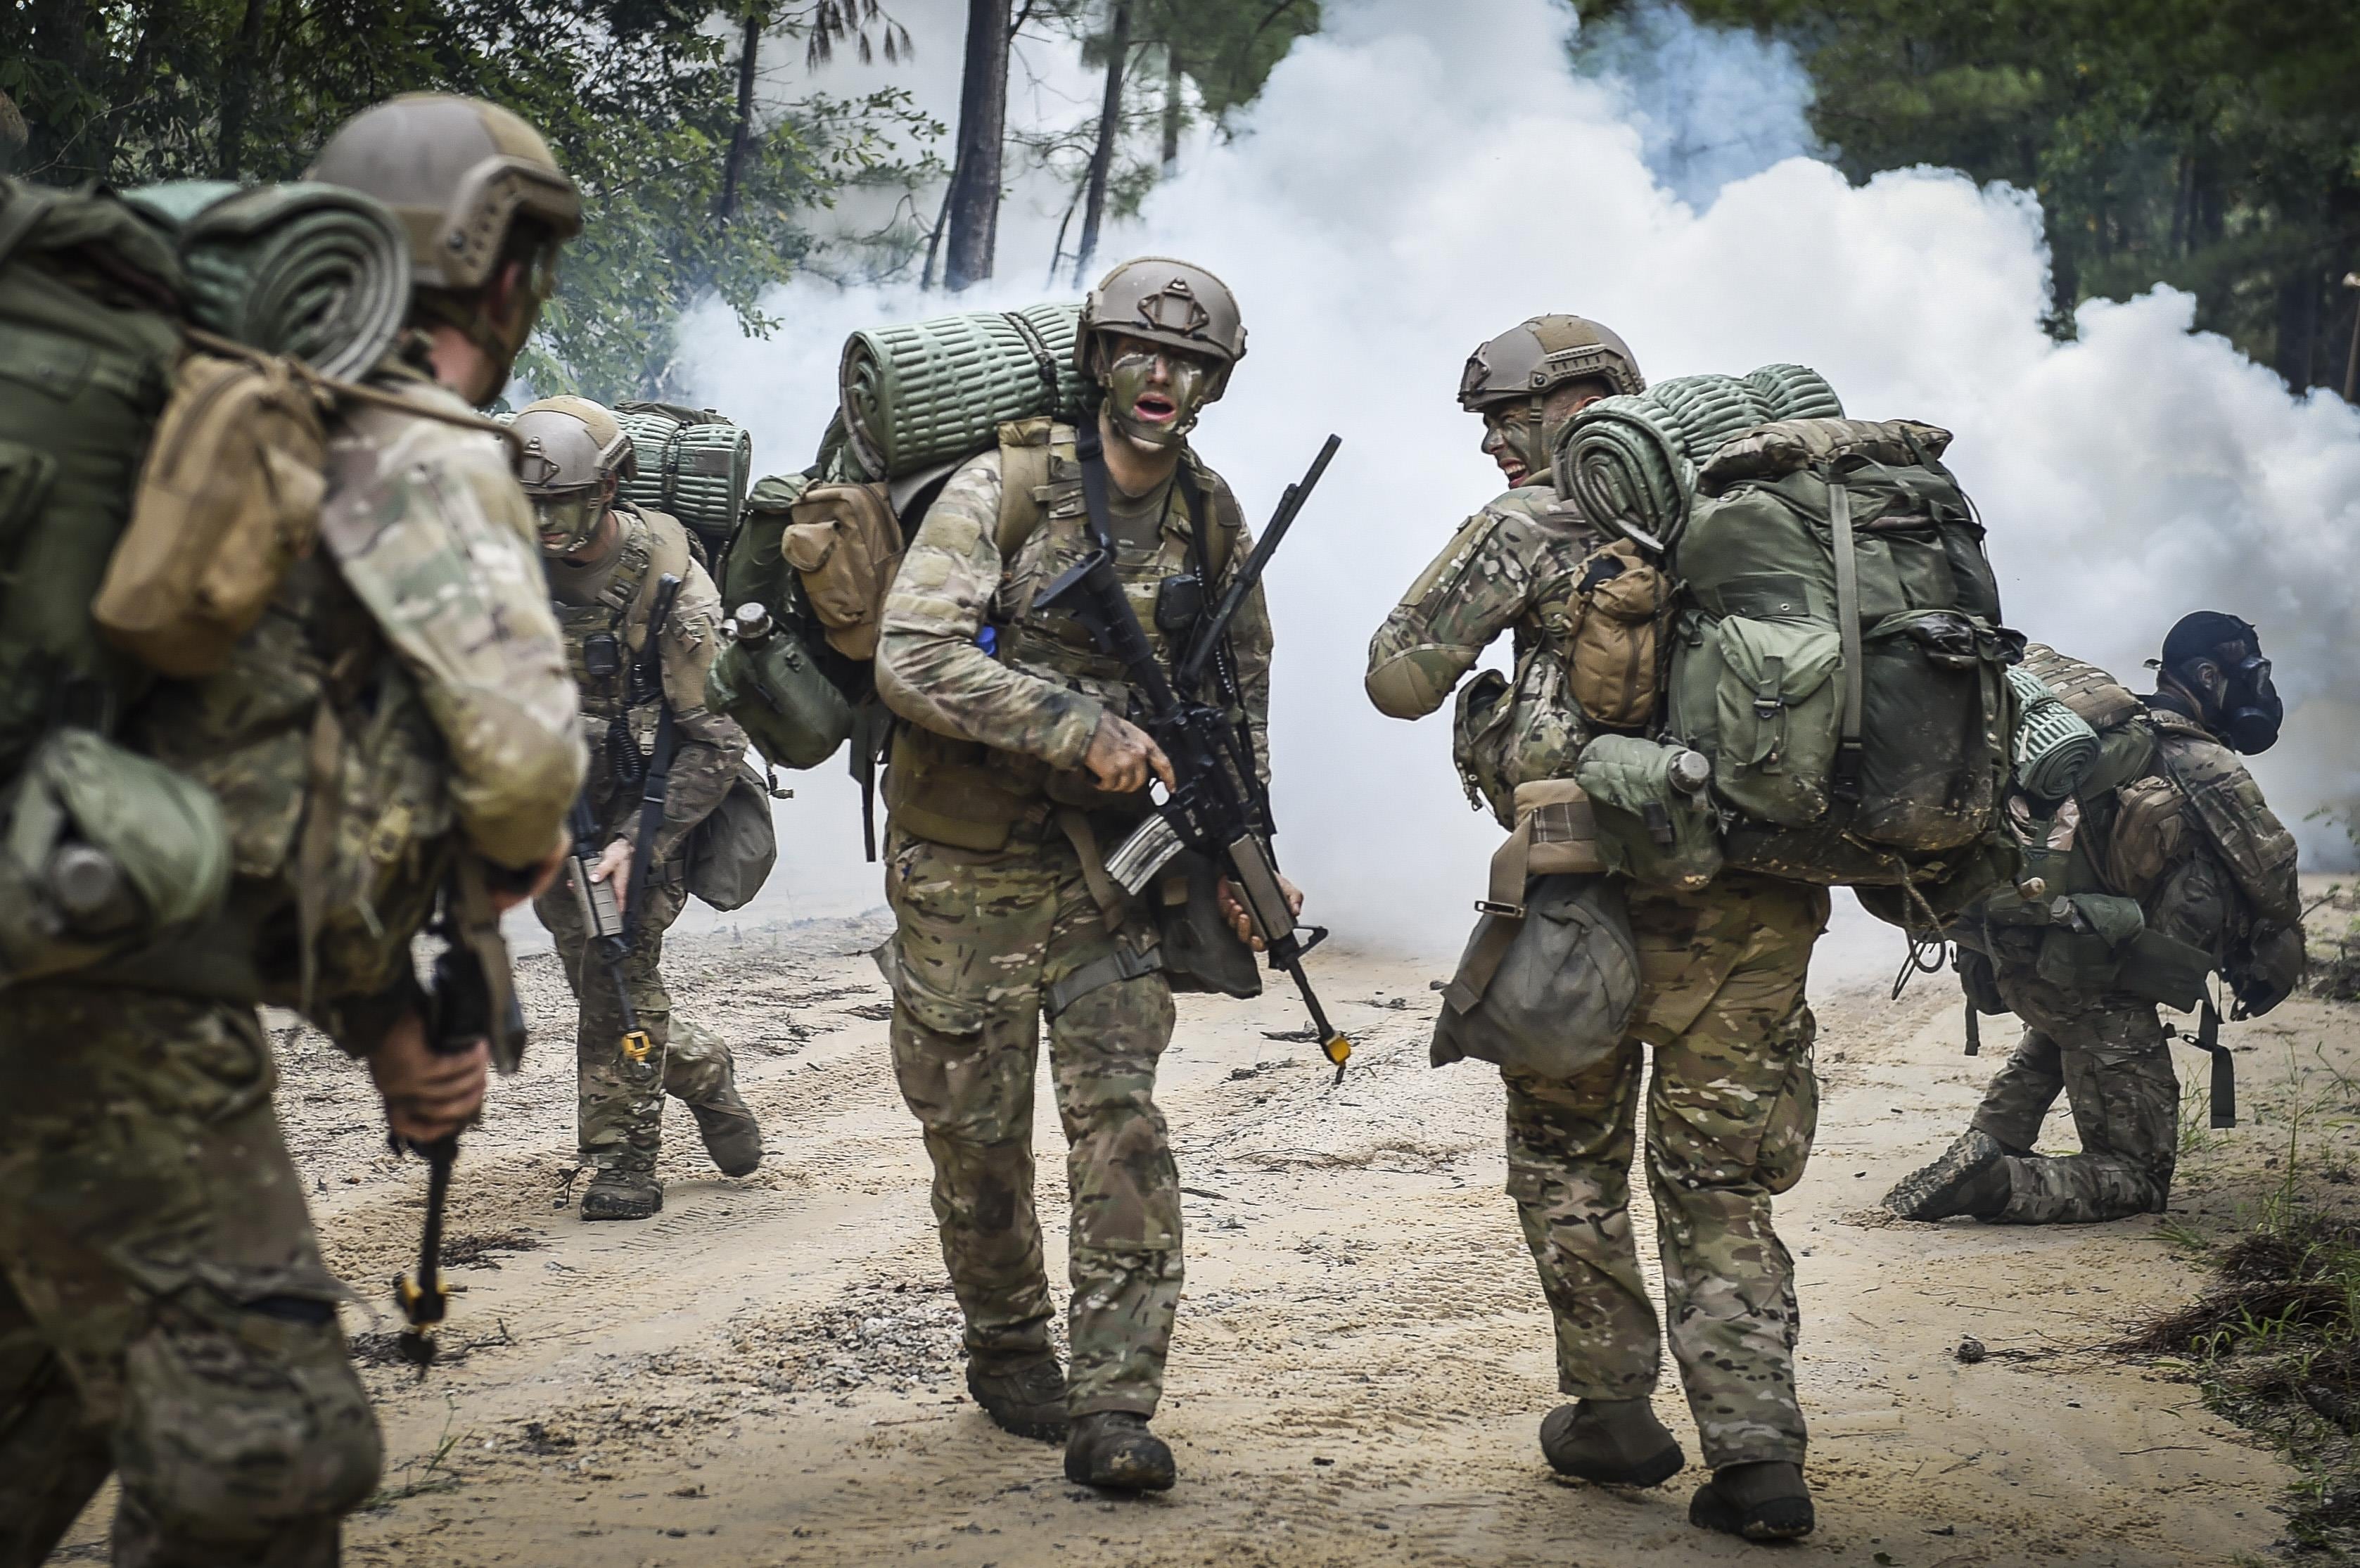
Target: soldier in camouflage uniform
(402,707)
(2181,832)
(605,557)
(1732,1103)
(1011,771)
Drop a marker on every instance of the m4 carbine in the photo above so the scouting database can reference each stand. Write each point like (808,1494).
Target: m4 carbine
(1214,807)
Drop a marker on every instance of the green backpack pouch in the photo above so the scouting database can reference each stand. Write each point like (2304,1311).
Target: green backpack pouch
(103,851)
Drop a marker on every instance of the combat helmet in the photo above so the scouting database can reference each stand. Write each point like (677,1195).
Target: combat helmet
(570,448)
(1534,357)
(458,172)
(1168,302)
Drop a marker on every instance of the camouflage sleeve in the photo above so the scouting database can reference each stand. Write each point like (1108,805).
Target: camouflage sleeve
(929,669)
(2196,901)
(1466,597)
(434,535)
(711,746)
(1250,641)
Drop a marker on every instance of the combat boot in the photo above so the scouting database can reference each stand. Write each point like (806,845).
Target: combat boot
(1114,1449)
(1617,1443)
(1969,1179)
(1023,1394)
(1764,1501)
(732,1138)
(622,1195)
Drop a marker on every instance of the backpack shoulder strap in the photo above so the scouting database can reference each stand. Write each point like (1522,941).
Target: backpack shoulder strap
(1214,515)
(1027,452)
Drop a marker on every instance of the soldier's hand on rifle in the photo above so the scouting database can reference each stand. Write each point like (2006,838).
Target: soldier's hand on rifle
(1233,910)
(614,868)
(428,1094)
(1121,755)
(507,895)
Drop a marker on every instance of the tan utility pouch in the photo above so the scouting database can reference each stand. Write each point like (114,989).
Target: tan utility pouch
(1556,834)
(1612,666)
(228,500)
(845,543)
(2149,838)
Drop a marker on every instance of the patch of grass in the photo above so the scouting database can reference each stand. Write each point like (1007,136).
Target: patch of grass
(420,1476)
(2274,1341)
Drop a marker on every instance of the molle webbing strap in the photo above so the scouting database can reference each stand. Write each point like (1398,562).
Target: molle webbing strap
(1845,785)
(1103,892)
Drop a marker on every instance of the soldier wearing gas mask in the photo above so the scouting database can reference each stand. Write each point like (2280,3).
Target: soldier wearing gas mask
(606,561)
(2164,867)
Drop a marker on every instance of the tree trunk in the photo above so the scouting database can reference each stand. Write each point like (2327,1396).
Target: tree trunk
(52,151)
(237,101)
(1109,131)
(2298,315)
(741,132)
(983,118)
(1171,108)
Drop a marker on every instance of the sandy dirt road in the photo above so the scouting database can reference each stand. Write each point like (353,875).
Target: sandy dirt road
(768,1372)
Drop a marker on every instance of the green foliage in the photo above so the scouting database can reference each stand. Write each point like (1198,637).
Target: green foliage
(2215,148)
(640,99)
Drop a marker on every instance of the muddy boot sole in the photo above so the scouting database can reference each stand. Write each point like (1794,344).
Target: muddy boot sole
(1787,1518)
(621,1202)
(733,1139)
(1116,1454)
(1966,1179)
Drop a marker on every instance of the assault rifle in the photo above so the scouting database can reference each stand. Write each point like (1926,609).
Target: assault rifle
(1215,808)
(471,997)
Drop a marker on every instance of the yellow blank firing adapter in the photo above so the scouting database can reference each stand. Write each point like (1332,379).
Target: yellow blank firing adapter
(637,1044)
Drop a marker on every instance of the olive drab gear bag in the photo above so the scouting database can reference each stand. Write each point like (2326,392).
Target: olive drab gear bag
(1548,990)
(733,851)
(1842,661)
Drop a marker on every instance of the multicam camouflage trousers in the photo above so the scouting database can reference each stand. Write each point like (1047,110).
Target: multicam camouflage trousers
(620,1110)
(164,1314)
(980,939)
(1732,1108)
(2107,1055)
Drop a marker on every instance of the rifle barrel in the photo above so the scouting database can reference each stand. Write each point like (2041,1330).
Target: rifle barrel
(1281,518)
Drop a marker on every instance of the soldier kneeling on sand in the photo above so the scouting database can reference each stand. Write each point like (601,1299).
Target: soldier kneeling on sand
(2164,866)
(642,713)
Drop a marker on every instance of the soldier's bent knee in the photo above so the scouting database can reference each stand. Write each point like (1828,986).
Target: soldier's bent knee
(243,1418)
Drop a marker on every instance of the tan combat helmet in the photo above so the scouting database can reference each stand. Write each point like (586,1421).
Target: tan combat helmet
(1168,302)
(571,444)
(458,172)
(1531,360)
(572,448)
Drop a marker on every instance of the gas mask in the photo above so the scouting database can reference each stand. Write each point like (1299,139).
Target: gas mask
(2251,708)
(566,518)
(1188,386)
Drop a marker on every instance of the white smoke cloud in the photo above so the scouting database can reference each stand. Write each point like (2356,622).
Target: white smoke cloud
(1417,178)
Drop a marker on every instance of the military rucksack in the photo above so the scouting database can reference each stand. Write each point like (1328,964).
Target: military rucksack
(1842,661)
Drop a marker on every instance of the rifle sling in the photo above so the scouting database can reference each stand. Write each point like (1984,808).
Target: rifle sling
(1846,562)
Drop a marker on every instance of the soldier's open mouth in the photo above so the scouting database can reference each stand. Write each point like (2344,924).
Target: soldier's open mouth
(1515,471)
(1154,408)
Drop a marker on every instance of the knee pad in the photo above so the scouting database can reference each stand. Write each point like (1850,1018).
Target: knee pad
(239,1422)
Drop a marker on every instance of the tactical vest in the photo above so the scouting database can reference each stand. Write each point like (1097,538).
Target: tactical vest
(973,797)
(653,545)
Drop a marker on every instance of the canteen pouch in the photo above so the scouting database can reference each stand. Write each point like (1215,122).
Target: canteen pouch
(1647,829)
(1550,992)
(228,499)
(732,851)
(2099,942)
(778,693)
(843,544)
(162,831)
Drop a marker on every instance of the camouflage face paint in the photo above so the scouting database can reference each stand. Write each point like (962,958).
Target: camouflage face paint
(1183,387)
(566,520)
(1515,440)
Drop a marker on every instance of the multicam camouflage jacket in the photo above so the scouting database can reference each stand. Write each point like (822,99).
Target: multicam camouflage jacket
(1034,702)
(1513,567)
(613,603)
(405,695)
